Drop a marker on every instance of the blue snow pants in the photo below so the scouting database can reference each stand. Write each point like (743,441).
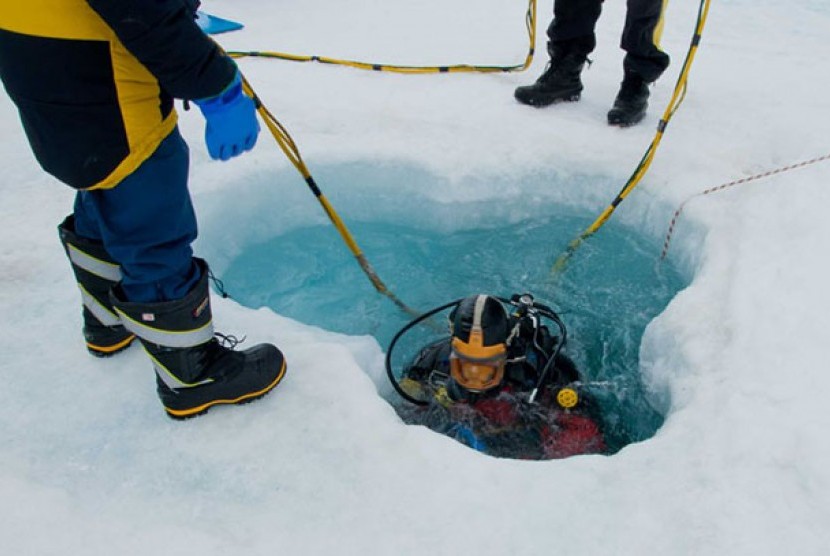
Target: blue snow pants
(147,225)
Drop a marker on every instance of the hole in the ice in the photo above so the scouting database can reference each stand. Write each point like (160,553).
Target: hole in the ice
(430,253)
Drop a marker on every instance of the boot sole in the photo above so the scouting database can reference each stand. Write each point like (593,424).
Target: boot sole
(108,351)
(625,124)
(545,102)
(183,414)
(613,121)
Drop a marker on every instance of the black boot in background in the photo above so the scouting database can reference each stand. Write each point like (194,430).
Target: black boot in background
(96,273)
(631,102)
(194,371)
(560,82)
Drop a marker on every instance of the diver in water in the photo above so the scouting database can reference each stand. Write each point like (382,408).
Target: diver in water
(501,384)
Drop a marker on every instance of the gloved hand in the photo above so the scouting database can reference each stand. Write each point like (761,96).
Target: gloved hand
(467,436)
(232,126)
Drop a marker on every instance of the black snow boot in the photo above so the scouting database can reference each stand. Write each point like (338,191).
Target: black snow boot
(194,370)
(631,102)
(559,82)
(96,273)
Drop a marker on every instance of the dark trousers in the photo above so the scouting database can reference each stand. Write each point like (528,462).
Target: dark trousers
(147,224)
(572,30)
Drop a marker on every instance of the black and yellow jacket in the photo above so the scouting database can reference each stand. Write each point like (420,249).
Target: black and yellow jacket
(94,80)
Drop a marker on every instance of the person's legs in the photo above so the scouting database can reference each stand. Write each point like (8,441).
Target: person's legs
(573,24)
(570,40)
(130,249)
(641,39)
(147,224)
(644,61)
(138,234)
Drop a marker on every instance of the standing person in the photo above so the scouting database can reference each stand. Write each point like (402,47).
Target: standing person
(571,38)
(94,82)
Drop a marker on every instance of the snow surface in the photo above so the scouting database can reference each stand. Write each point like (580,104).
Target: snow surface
(90,464)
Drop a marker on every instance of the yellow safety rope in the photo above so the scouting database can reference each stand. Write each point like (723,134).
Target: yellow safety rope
(530,23)
(286,143)
(289,148)
(676,99)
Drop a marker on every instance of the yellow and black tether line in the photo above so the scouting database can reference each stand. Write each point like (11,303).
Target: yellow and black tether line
(530,22)
(286,143)
(676,99)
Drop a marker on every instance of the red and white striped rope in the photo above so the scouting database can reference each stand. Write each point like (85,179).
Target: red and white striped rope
(730,184)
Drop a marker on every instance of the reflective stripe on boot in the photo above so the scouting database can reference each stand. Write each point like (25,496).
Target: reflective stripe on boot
(95,273)
(194,371)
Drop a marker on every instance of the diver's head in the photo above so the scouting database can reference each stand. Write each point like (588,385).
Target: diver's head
(479,350)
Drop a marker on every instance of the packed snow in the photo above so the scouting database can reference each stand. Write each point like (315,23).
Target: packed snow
(323,465)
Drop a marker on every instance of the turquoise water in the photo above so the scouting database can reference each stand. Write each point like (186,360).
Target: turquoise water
(612,288)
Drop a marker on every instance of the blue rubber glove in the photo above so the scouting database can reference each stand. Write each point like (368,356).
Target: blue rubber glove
(232,126)
(468,437)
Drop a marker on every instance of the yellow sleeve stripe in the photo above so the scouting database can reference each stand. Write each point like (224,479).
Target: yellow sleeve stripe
(59,19)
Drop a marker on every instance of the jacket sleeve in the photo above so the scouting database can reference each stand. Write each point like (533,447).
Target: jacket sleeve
(431,357)
(163,35)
